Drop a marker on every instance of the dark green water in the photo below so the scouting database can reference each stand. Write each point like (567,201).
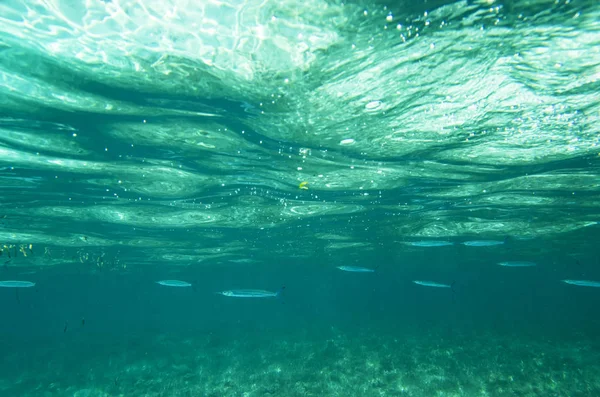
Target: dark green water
(261,144)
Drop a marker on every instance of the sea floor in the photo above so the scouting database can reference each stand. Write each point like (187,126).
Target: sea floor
(336,364)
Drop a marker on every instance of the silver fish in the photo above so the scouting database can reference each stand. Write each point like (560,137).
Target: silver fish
(356,269)
(16,284)
(517,264)
(431,243)
(174,283)
(432,284)
(251,293)
(583,283)
(482,243)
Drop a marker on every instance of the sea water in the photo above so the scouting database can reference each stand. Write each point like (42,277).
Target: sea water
(263,144)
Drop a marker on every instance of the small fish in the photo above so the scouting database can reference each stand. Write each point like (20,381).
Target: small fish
(482,243)
(16,284)
(303,185)
(433,284)
(174,283)
(583,283)
(251,293)
(517,264)
(243,260)
(431,243)
(356,269)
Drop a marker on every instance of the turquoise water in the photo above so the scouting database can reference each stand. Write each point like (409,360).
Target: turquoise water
(262,144)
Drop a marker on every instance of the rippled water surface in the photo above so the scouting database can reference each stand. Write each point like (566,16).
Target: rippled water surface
(260,144)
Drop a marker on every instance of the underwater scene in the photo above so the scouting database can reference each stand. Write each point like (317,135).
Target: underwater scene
(284,198)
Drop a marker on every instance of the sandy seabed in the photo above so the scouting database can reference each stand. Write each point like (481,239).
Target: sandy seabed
(337,364)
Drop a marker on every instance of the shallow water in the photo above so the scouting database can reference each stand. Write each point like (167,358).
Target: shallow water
(261,144)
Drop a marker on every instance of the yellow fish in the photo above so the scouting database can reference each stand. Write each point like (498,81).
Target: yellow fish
(303,185)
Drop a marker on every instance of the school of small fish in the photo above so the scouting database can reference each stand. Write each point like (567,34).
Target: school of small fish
(258,293)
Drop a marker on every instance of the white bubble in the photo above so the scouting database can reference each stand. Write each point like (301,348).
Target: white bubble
(373,105)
